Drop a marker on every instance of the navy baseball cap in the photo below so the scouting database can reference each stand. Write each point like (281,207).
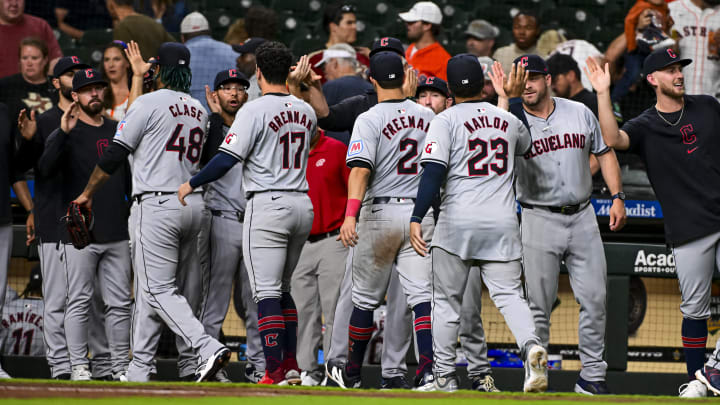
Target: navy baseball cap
(86,77)
(386,66)
(68,63)
(661,59)
(173,54)
(433,83)
(231,75)
(532,64)
(249,46)
(388,44)
(464,70)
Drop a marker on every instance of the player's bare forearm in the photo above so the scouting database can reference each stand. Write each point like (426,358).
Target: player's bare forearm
(136,89)
(610,169)
(97,179)
(357,185)
(23,194)
(358,182)
(612,136)
(317,101)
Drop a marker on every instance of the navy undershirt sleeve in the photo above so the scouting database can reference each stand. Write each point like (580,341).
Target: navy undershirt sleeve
(432,179)
(215,169)
(113,158)
(516,109)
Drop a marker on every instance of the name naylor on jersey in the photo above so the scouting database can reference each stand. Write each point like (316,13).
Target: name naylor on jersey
(403,122)
(190,111)
(484,121)
(290,117)
(555,142)
(22,317)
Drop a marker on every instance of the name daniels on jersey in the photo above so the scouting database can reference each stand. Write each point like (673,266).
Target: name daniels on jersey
(403,122)
(290,117)
(22,317)
(191,111)
(555,142)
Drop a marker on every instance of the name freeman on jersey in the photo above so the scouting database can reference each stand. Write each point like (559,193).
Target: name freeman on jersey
(403,122)
(193,112)
(23,317)
(553,143)
(290,117)
(483,121)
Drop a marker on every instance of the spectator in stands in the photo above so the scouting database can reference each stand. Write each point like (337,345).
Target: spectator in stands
(697,29)
(116,70)
(580,50)
(207,56)
(140,28)
(169,13)
(526,31)
(75,17)
(566,81)
(246,64)
(425,53)
(341,69)
(236,33)
(261,22)
(480,38)
(14,27)
(29,89)
(340,24)
(488,93)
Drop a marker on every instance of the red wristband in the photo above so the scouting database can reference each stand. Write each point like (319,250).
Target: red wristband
(353,207)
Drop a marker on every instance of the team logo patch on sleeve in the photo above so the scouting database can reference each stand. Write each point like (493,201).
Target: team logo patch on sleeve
(120,127)
(231,139)
(355,147)
(430,147)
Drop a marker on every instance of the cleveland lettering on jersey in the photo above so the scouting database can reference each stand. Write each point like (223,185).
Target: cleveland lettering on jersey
(191,111)
(483,121)
(403,122)
(290,117)
(554,142)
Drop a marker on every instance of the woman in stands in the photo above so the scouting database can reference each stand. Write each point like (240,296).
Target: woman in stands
(117,71)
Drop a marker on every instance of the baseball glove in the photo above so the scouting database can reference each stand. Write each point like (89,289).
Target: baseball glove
(79,223)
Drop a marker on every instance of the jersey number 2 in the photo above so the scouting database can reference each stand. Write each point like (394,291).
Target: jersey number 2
(176,143)
(285,141)
(500,147)
(403,167)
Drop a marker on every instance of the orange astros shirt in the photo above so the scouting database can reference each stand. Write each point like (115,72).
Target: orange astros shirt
(429,61)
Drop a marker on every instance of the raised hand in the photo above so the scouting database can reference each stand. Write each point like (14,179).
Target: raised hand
(497,77)
(599,78)
(138,65)
(516,81)
(300,72)
(70,117)
(212,100)
(410,84)
(27,124)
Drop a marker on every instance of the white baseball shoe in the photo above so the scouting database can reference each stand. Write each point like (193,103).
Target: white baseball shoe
(693,389)
(81,373)
(536,377)
(213,364)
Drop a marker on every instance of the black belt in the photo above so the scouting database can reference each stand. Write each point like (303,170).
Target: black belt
(565,209)
(234,215)
(388,200)
(139,197)
(250,194)
(320,236)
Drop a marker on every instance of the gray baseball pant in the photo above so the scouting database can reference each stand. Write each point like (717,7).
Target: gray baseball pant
(315,289)
(503,280)
(398,325)
(472,333)
(548,238)
(247,309)
(166,236)
(695,262)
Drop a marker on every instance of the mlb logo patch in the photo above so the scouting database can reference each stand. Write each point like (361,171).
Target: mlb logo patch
(355,147)
(288,105)
(401,111)
(481,110)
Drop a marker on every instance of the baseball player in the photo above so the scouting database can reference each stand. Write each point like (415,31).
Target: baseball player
(225,199)
(696,28)
(47,209)
(558,222)
(383,157)
(164,130)
(677,139)
(396,340)
(74,150)
(22,321)
(468,150)
(433,93)
(271,136)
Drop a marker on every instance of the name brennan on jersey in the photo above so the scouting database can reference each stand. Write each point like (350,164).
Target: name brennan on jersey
(20,317)
(189,111)
(553,143)
(290,117)
(410,121)
(483,121)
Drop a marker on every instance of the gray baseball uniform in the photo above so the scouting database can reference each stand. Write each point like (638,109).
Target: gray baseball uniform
(477,224)
(556,173)
(22,326)
(472,333)
(387,138)
(271,136)
(165,131)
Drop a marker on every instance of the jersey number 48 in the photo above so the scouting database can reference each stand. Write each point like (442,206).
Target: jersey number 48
(176,143)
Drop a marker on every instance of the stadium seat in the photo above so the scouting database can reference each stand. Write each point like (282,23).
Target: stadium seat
(302,46)
(96,37)
(219,19)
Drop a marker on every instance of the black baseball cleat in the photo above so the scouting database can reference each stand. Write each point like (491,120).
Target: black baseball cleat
(484,383)
(425,382)
(63,376)
(335,371)
(212,365)
(394,383)
(583,386)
